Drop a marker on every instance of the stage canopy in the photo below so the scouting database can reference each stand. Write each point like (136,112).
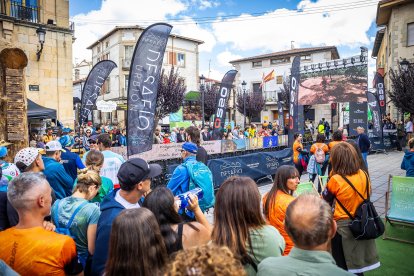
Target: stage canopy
(35,111)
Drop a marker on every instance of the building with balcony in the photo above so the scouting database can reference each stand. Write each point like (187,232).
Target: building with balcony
(118,45)
(253,69)
(394,40)
(36,38)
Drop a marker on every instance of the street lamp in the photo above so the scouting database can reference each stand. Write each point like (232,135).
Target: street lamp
(244,102)
(202,83)
(41,33)
(404,65)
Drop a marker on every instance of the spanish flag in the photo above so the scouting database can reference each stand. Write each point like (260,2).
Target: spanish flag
(268,77)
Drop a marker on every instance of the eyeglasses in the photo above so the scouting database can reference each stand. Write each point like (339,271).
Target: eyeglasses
(92,142)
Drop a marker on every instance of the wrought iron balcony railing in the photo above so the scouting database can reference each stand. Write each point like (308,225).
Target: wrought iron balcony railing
(26,13)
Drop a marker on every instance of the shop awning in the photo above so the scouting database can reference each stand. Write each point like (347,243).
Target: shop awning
(35,111)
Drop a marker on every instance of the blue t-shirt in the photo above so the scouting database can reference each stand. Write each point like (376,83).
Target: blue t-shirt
(89,214)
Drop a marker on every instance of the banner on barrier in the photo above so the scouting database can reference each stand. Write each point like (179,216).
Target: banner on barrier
(255,165)
(173,150)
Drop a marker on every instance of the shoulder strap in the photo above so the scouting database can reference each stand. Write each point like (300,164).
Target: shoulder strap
(353,187)
(56,213)
(75,213)
(343,208)
(180,235)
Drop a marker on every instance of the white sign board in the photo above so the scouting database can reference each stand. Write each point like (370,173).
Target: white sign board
(106,106)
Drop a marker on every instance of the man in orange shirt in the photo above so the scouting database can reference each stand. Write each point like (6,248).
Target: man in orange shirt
(28,248)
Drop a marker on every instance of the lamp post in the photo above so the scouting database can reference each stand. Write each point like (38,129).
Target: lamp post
(41,33)
(404,65)
(202,83)
(244,102)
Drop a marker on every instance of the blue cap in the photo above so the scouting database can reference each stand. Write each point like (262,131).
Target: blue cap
(3,151)
(190,147)
(66,141)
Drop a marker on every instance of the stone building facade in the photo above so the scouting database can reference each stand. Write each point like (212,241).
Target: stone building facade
(394,40)
(47,79)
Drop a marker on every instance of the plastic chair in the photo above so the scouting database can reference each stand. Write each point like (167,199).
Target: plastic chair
(305,188)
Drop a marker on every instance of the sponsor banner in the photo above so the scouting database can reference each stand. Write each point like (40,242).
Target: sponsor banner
(233,145)
(212,147)
(255,165)
(357,117)
(222,101)
(376,117)
(144,78)
(293,98)
(173,150)
(92,88)
(379,85)
(270,141)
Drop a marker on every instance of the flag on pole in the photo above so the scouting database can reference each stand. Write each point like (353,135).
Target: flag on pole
(268,77)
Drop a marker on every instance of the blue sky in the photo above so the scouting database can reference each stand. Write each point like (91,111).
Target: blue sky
(235,28)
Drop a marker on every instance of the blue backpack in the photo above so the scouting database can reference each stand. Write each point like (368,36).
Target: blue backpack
(201,177)
(66,230)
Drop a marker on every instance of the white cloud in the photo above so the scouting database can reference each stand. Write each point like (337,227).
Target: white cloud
(224,57)
(89,27)
(275,30)
(205,4)
(193,30)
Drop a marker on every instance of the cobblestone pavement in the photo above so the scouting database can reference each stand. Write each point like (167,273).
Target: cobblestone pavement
(380,166)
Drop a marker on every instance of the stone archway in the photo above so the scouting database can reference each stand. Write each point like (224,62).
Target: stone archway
(13,101)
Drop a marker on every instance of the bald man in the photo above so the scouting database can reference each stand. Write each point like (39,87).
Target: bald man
(310,225)
(28,248)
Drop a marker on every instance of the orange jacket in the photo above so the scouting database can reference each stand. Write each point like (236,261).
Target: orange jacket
(277,216)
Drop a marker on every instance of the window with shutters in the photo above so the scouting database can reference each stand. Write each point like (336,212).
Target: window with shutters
(279,79)
(257,64)
(410,34)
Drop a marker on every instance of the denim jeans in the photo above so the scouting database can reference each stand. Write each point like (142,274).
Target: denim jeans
(364,156)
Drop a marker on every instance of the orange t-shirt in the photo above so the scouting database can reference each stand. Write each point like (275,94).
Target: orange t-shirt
(36,251)
(296,145)
(333,143)
(277,214)
(346,195)
(316,146)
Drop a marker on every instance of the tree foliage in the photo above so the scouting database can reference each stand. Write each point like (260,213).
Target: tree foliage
(402,89)
(170,95)
(254,103)
(210,100)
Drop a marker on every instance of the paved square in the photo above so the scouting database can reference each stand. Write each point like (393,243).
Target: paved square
(380,166)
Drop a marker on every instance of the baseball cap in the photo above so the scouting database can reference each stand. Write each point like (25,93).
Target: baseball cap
(27,156)
(66,141)
(54,146)
(3,151)
(136,170)
(4,143)
(190,147)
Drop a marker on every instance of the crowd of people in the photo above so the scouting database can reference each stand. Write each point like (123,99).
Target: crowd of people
(97,215)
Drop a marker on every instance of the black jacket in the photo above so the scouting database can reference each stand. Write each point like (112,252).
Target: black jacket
(202,155)
(363,142)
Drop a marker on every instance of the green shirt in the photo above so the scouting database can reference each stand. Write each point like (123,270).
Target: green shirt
(106,188)
(302,262)
(266,242)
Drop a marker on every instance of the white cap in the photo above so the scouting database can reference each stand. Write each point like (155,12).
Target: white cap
(53,146)
(27,156)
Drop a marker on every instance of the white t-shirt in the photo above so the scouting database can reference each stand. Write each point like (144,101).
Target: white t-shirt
(111,165)
(125,203)
(409,126)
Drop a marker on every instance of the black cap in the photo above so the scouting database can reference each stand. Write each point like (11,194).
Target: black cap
(136,170)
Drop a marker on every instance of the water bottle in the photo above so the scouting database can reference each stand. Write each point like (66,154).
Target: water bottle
(183,199)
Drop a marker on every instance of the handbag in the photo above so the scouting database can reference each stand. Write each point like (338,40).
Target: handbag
(366,224)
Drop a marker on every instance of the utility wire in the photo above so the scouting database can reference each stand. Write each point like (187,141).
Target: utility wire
(242,17)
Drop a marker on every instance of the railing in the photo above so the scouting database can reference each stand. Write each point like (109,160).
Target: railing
(72,26)
(26,13)
(270,96)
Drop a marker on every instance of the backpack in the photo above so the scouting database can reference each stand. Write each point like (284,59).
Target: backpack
(366,225)
(319,155)
(201,177)
(66,230)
